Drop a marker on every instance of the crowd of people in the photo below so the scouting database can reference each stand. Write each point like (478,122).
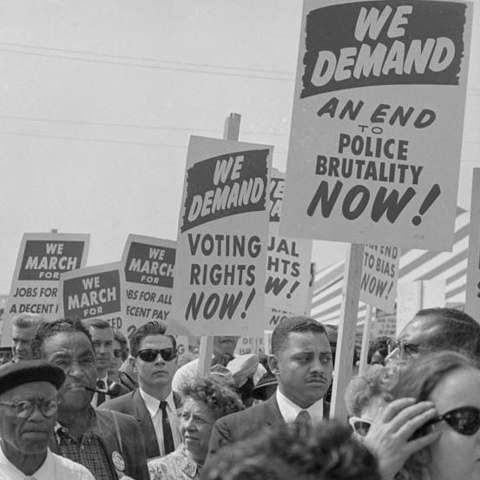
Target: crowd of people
(77,400)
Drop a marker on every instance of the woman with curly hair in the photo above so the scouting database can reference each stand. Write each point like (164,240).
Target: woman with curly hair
(205,401)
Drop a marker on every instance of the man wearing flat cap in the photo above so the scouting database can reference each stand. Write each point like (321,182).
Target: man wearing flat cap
(28,411)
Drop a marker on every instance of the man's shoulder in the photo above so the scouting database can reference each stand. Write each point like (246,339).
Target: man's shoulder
(119,403)
(247,416)
(124,420)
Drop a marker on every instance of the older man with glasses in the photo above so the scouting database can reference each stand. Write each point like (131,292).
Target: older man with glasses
(28,411)
(154,404)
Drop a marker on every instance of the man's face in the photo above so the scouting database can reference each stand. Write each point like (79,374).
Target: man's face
(103,342)
(224,344)
(160,372)
(22,338)
(303,367)
(26,436)
(73,353)
(417,337)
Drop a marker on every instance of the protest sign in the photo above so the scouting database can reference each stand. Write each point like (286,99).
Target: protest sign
(384,325)
(148,264)
(378,287)
(222,239)
(377,122)
(35,285)
(94,292)
(288,262)
(274,316)
(472,296)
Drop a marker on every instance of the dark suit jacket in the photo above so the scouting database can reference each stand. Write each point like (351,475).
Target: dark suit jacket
(248,423)
(132,404)
(127,441)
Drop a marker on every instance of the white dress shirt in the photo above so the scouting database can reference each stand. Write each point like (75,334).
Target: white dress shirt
(290,410)
(54,467)
(153,407)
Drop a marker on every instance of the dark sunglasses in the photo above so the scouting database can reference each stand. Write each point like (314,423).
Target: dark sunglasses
(360,426)
(149,355)
(464,420)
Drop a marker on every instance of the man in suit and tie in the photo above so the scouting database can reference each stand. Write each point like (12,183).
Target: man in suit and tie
(102,338)
(301,360)
(153,404)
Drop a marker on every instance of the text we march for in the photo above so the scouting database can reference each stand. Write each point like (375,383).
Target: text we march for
(374,156)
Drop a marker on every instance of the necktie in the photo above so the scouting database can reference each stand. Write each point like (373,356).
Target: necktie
(167,430)
(304,418)
(100,396)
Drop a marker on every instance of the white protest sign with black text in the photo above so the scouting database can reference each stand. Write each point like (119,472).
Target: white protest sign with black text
(379,277)
(148,264)
(288,263)
(94,292)
(377,122)
(222,239)
(472,296)
(35,286)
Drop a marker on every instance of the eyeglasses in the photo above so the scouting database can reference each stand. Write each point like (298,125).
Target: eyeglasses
(25,408)
(149,355)
(359,425)
(117,353)
(405,349)
(464,420)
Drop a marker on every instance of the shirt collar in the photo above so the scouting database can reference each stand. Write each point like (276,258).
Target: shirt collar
(153,404)
(12,472)
(290,410)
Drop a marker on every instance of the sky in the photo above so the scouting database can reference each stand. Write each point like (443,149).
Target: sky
(98,99)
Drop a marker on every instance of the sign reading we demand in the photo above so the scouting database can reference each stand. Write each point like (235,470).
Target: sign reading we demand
(222,240)
(35,285)
(377,122)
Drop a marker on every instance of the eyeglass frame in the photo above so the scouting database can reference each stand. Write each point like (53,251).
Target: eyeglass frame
(353,420)
(448,415)
(409,349)
(159,351)
(29,407)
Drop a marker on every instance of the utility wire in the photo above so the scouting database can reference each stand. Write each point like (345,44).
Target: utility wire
(154,67)
(146,59)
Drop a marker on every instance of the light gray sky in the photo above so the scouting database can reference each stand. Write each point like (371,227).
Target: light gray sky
(98,99)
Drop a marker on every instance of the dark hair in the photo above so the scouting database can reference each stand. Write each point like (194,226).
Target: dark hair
(50,329)
(218,397)
(122,340)
(147,329)
(363,388)
(294,324)
(96,323)
(418,379)
(325,452)
(379,344)
(457,330)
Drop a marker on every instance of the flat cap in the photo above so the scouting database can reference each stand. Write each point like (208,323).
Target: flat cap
(14,374)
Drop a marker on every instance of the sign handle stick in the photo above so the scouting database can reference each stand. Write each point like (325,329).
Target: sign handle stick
(231,132)
(367,328)
(347,330)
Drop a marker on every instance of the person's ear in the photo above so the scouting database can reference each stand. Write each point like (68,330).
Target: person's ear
(133,363)
(273,364)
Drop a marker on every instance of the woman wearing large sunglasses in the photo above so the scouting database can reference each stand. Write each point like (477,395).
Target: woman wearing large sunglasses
(452,383)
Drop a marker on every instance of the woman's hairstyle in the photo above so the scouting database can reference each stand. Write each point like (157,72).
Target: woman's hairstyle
(296,451)
(218,396)
(363,388)
(418,379)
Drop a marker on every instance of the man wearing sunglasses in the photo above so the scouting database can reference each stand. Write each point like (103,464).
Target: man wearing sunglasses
(436,329)
(154,404)
(28,411)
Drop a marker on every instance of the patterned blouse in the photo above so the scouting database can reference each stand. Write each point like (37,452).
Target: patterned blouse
(178,465)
